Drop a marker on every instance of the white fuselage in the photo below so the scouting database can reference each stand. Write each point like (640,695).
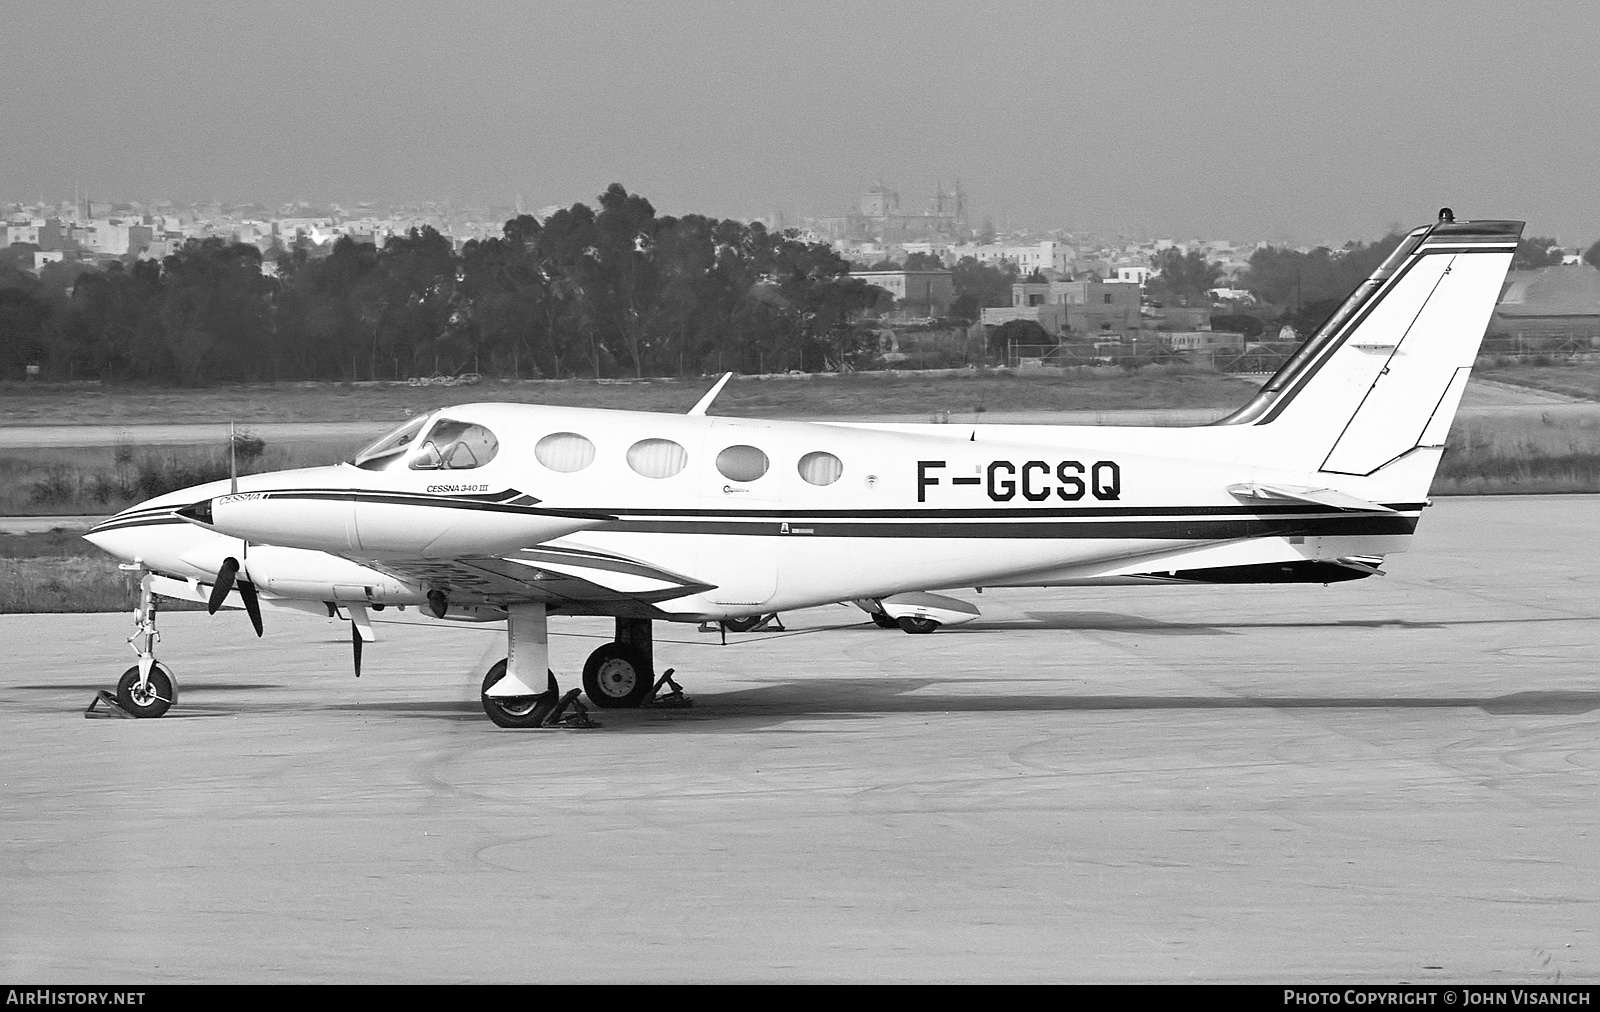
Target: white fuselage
(903,508)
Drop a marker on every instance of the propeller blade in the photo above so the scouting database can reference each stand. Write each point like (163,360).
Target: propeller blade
(219,591)
(252,603)
(355,645)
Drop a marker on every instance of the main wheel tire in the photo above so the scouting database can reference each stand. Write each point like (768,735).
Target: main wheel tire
(884,621)
(741,625)
(917,625)
(153,699)
(515,711)
(616,677)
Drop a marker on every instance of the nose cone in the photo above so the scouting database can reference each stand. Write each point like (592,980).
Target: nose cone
(116,536)
(152,532)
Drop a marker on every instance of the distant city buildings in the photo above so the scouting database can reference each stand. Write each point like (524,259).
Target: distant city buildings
(1076,286)
(1090,309)
(916,293)
(102,231)
(879,219)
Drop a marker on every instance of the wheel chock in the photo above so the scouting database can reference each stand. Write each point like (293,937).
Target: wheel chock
(578,718)
(671,700)
(113,708)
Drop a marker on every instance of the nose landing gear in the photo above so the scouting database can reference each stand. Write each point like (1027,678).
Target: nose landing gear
(147,689)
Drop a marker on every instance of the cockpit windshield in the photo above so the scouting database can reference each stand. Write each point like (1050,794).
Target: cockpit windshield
(455,446)
(389,449)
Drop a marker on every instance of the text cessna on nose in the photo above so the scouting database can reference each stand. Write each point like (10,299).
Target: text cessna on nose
(1034,480)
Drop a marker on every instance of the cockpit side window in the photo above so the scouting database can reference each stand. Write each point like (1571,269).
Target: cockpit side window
(455,446)
(391,447)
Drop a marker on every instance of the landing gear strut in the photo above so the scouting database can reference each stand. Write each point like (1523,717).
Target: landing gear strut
(147,689)
(508,695)
(618,675)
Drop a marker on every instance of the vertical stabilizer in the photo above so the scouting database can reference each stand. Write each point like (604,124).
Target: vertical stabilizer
(1384,375)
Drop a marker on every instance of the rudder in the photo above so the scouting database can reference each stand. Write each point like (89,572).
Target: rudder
(1385,374)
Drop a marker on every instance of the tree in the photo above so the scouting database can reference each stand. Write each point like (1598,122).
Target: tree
(1289,278)
(214,311)
(924,262)
(625,227)
(25,320)
(1535,252)
(987,285)
(19,255)
(603,291)
(1184,278)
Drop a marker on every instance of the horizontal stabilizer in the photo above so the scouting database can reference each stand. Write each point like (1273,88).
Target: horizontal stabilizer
(1331,498)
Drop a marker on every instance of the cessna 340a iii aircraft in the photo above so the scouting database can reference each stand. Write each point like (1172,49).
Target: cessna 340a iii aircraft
(512,512)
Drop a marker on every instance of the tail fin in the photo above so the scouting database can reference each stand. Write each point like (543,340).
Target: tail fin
(1384,375)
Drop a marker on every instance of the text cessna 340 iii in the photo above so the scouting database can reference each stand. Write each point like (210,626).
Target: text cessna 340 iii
(511,512)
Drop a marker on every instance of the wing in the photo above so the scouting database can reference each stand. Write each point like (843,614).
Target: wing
(581,578)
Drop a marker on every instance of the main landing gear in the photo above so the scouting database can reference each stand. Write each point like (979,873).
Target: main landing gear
(619,675)
(147,689)
(909,623)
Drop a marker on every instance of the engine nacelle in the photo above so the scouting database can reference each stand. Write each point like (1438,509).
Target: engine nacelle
(386,523)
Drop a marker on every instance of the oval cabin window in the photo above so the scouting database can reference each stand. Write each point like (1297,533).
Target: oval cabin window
(742,463)
(564,451)
(657,458)
(820,468)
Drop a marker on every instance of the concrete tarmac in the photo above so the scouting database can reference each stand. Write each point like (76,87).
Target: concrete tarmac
(1389,780)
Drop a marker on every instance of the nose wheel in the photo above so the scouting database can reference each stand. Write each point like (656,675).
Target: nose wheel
(149,697)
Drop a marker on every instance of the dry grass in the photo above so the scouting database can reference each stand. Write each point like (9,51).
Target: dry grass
(1533,452)
(1580,379)
(1174,386)
(64,584)
(96,480)
(822,395)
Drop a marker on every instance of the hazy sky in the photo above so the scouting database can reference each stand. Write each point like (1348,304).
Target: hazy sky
(1300,121)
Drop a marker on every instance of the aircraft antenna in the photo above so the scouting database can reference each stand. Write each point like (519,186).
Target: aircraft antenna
(711,395)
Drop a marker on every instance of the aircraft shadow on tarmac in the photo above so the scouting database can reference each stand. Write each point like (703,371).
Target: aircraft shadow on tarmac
(1106,621)
(850,699)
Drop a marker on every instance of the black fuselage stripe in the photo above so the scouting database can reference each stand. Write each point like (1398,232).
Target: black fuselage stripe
(1162,530)
(1017,526)
(794,515)
(999,513)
